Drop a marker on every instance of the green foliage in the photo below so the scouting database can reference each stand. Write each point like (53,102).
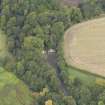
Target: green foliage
(91,8)
(56,35)
(28,35)
(32,26)
(100,103)
(2,21)
(33,43)
(76,15)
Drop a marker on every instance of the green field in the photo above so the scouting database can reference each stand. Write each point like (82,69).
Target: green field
(12,90)
(85,77)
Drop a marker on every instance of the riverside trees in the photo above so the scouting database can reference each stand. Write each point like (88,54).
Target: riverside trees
(32,26)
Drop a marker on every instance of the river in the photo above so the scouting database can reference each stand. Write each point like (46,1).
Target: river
(52,60)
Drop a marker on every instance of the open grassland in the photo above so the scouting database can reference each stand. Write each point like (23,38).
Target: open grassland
(84,46)
(86,78)
(13,91)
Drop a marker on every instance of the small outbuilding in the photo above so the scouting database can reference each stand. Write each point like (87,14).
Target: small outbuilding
(51,51)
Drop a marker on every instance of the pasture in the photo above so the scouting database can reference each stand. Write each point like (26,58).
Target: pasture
(84,46)
(12,90)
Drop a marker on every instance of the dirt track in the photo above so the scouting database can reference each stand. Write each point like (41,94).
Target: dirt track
(84,46)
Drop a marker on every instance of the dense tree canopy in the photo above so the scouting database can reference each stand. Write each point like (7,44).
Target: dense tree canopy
(35,26)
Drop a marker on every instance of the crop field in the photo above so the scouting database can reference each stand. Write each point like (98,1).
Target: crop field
(84,46)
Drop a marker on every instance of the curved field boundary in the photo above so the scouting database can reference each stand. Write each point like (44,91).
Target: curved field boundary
(70,46)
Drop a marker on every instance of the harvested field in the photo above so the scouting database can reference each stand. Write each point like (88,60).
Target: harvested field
(84,46)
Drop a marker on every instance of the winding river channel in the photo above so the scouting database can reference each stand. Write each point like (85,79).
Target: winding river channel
(52,60)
